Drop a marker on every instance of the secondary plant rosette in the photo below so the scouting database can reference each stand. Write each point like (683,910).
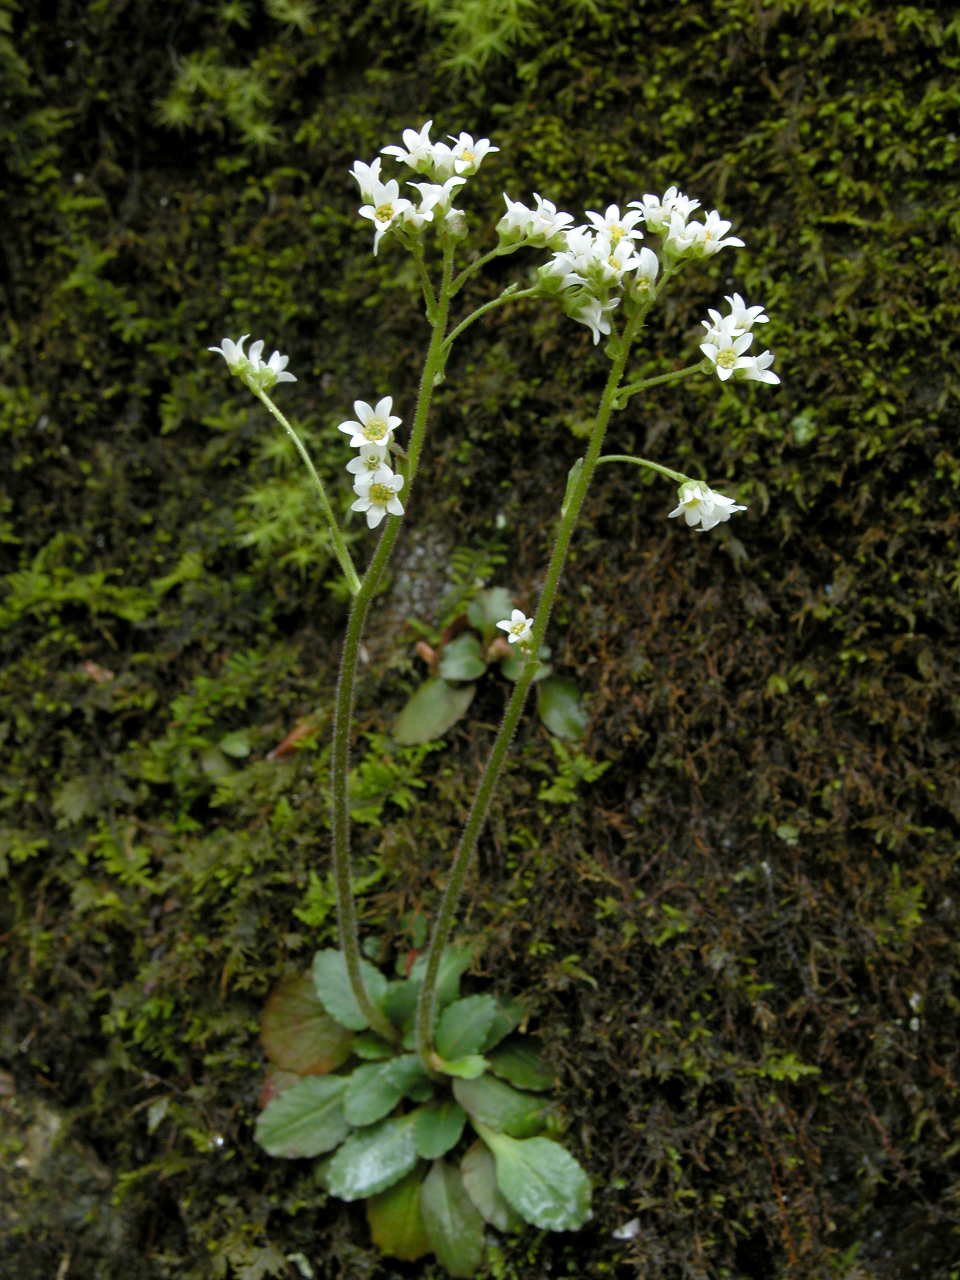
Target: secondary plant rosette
(420,1101)
(440,1156)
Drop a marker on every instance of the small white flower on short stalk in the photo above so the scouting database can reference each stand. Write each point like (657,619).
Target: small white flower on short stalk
(367,178)
(469,155)
(373,426)
(518,627)
(420,153)
(514,223)
(593,313)
(386,207)
(436,196)
(543,227)
(378,498)
(369,466)
(659,211)
(643,281)
(725,350)
(614,226)
(700,505)
(740,319)
(699,239)
(757,369)
(258,374)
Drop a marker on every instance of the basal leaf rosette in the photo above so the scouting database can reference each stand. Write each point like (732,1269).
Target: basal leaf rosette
(441,1152)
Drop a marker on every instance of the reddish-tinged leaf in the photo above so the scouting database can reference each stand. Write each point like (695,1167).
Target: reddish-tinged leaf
(297,1032)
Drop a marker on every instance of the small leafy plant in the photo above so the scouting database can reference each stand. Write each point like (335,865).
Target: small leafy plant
(439,1150)
(469,647)
(380,1076)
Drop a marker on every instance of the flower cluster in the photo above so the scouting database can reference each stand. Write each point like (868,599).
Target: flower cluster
(700,505)
(448,168)
(374,482)
(600,264)
(728,338)
(258,374)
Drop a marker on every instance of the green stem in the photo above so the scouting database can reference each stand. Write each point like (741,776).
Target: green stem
(479,809)
(500,251)
(631,389)
(645,462)
(509,295)
(339,546)
(346,683)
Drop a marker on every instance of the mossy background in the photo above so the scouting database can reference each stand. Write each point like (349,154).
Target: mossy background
(740,943)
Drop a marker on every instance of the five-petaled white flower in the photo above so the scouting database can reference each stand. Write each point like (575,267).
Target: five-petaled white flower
(419,152)
(467,154)
(369,465)
(378,498)
(518,627)
(385,208)
(700,505)
(374,426)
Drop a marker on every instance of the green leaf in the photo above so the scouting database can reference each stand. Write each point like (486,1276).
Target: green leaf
(396,1223)
(375,1089)
(298,1034)
(368,1045)
(468,1068)
(507,1016)
(453,963)
(454,1227)
(479,1173)
(463,1027)
(462,658)
(335,993)
(433,709)
(373,1159)
(305,1120)
(400,1001)
(499,1106)
(517,1061)
(438,1128)
(541,1180)
(488,608)
(513,666)
(558,702)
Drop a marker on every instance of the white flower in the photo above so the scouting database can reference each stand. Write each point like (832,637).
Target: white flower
(467,154)
(374,426)
(741,319)
(645,272)
(542,227)
(756,368)
(658,211)
(258,374)
(725,350)
(699,239)
(421,154)
(514,223)
(369,465)
(233,353)
(699,504)
(593,313)
(518,627)
(437,196)
(615,226)
(378,498)
(367,177)
(385,208)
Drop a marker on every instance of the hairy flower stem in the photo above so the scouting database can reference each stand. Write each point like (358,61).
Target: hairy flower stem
(479,809)
(339,546)
(346,683)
